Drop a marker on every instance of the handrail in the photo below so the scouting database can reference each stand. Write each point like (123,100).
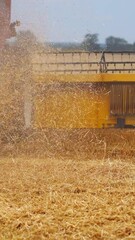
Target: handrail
(99,62)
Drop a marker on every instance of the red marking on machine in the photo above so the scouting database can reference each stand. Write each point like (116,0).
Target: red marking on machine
(5,14)
(7,29)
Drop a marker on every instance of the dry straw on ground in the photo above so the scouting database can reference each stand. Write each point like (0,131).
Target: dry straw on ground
(58,185)
(67,199)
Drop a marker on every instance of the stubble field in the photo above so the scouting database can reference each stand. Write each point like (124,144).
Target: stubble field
(68,196)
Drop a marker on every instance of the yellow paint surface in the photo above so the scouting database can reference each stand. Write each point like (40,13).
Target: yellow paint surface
(80,78)
(77,108)
(72,109)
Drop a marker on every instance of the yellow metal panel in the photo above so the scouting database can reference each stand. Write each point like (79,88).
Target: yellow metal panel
(51,78)
(72,78)
(120,77)
(67,110)
(130,121)
(77,108)
(74,109)
(103,109)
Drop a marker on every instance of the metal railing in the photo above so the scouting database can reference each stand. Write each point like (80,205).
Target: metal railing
(83,62)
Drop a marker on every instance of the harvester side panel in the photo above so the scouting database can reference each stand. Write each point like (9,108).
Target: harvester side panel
(123,99)
(72,106)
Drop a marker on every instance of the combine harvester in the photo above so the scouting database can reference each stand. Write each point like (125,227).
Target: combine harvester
(84,90)
(76,90)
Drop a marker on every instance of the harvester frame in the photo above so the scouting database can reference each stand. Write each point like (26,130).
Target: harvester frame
(101,81)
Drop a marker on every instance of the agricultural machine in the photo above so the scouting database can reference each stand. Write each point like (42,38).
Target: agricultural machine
(91,89)
(74,90)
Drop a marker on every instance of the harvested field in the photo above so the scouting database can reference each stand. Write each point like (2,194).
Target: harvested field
(77,143)
(61,196)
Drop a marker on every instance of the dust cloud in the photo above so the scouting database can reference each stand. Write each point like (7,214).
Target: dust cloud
(59,179)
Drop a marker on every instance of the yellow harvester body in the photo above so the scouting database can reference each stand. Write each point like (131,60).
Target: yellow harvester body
(80,90)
